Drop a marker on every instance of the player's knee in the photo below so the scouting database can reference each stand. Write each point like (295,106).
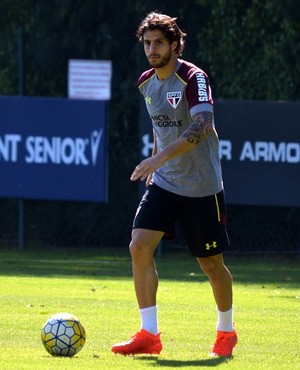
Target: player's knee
(141,252)
(206,268)
(209,266)
(136,247)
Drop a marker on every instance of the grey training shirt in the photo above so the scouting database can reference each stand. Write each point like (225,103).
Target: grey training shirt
(171,103)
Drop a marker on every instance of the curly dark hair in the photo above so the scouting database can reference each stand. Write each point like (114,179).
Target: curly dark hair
(166,24)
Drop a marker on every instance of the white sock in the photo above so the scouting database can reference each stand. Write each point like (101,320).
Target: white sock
(225,320)
(149,319)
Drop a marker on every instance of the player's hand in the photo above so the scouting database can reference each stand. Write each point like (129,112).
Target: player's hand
(149,180)
(145,169)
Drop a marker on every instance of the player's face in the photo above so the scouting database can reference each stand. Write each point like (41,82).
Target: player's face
(158,49)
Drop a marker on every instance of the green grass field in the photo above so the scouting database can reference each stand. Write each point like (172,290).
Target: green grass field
(97,287)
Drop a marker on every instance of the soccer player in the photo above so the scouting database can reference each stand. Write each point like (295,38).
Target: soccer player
(183,183)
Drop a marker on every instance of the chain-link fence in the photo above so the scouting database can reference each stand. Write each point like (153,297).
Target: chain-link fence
(252,229)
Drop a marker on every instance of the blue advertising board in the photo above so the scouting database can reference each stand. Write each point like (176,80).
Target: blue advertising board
(259,150)
(53,149)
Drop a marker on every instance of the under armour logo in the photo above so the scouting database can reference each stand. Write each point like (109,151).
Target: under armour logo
(148,100)
(212,245)
(147,145)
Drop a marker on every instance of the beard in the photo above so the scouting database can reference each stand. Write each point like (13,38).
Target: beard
(162,62)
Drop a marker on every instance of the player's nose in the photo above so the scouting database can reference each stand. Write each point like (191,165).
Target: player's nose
(152,48)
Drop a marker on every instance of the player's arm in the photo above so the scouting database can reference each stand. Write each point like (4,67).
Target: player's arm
(200,128)
(154,149)
(154,152)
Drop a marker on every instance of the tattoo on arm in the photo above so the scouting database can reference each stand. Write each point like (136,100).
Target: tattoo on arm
(200,128)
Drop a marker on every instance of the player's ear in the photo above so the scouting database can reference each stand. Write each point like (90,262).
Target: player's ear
(174,45)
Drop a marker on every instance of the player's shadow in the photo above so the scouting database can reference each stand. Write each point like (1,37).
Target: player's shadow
(210,362)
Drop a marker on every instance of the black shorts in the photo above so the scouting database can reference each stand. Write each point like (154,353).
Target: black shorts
(202,220)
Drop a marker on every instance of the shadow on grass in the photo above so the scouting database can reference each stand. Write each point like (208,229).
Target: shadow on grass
(210,362)
(116,263)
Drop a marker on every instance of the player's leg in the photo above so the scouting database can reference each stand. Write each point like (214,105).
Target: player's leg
(142,247)
(153,219)
(220,279)
(147,339)
(153,214)
(221,282)
(204,227)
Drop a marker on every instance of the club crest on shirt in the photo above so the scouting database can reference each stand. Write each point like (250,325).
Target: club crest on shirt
(174,98)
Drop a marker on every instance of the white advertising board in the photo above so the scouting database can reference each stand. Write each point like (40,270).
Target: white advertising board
(89,79)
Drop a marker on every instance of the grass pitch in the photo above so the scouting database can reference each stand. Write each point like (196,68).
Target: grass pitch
(97,287)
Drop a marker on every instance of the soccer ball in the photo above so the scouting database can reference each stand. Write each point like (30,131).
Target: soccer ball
(63,335)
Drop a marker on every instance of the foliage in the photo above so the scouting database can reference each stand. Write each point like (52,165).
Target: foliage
(251,50)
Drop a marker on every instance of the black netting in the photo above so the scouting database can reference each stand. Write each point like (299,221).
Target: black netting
(252,229)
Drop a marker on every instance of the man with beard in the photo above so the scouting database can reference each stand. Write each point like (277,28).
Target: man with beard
(183,184)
